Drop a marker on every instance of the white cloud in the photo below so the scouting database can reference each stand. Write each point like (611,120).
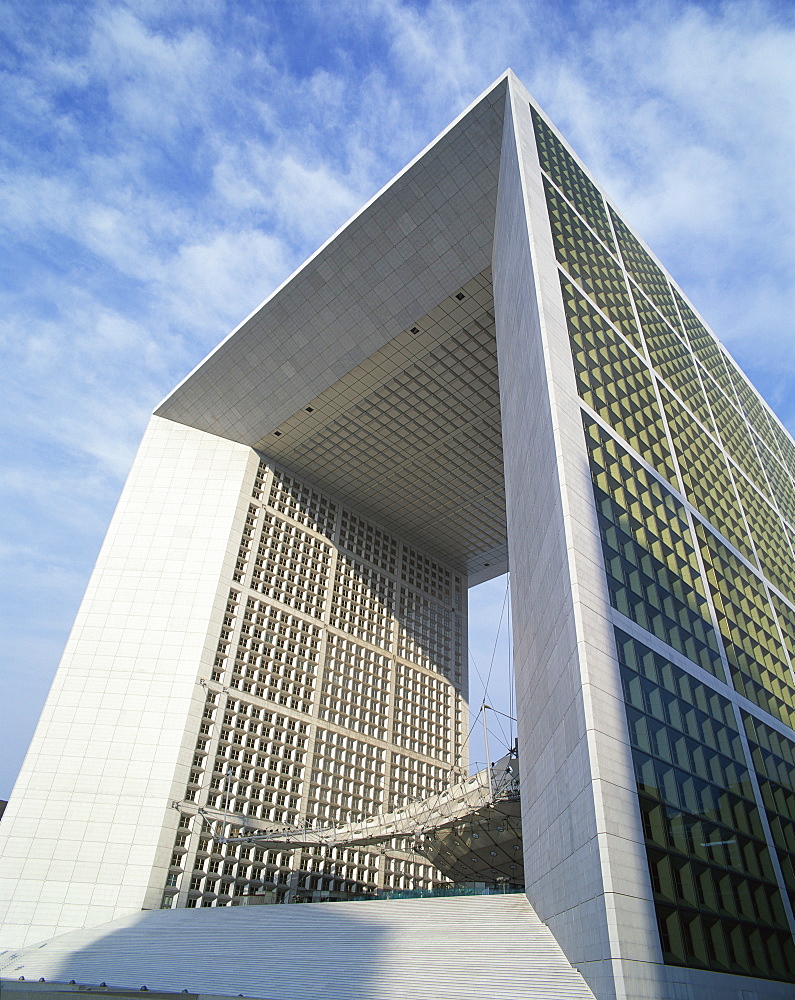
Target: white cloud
(213,284)
(156,82)
(292,189)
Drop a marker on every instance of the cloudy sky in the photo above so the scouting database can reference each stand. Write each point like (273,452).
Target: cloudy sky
(166,164)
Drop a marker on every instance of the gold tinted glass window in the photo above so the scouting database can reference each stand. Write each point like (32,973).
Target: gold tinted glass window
(715,888)
(770,538)
(781,486)
(650,559)
(734,432)
(705,474)
(644,270)
(704,344)
(671,358)
(754,412)
(587,260)
(615,381)
(751,639)
(786,622)
(564,170)
(774,762)
(785,445)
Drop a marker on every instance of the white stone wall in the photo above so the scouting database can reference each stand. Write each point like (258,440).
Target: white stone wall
(86,836)
(585,862)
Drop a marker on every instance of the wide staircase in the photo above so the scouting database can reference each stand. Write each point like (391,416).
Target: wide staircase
(461,948)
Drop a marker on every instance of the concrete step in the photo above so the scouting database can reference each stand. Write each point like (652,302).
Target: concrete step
(448,948)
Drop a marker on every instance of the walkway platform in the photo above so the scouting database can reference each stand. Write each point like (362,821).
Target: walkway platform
(451,948)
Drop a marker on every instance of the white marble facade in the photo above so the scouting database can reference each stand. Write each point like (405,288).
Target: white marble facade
(88,831)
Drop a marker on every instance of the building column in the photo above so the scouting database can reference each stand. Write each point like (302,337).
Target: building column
(89,829)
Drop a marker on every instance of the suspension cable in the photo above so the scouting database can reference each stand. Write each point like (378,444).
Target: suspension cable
(511,679)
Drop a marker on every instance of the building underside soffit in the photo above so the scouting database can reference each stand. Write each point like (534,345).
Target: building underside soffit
(412,435)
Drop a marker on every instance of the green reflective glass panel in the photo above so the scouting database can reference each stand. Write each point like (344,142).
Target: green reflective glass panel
(569,176)
(615,381)
(705,474)
(747,625)
(755,412)
(781,486)
(770,538)
(774,763)
(786,446)
(645,271)
(705,345)
(786,622)
(733,432)
(581,254)
(718,903)
(652,569)
(671,357)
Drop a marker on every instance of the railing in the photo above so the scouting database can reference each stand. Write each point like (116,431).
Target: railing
(454,889)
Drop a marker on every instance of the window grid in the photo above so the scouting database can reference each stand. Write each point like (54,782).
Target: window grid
(355,692)
(424,713)
(774,555)
(302,503)
(747,624)
(363,602)
(427,631)
(717,899)
(572,180)
(615,381)
(368,542)
(773,757)
(705,475)
(642,268)
(589,263)
(734,432)
(704,345)
(671,358)
(650,557)
(781,485)
(292,566)
(301,732)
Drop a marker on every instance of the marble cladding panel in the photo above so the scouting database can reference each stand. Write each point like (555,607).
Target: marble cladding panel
(85,836)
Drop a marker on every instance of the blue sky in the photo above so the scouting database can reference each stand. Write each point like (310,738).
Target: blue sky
(165,165)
